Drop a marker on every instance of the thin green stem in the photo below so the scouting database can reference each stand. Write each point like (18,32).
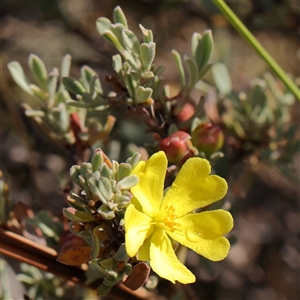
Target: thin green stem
(249,37)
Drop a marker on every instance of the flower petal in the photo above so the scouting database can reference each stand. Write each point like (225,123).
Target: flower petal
(149,190)
(193,188)
(137,227)
(164,261)
(203,232)
(144,251)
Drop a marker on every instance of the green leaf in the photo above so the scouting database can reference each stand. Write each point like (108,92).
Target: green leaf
(105,188)
(147,34)
(123,171)
(38,92)
(202,48)
(111,37)
(179,67)
(34,113)
(222,78)
(143,94)
(134,159)
(65,66)
(76,103)
(106,171)
(131,42)
(39,72)
(204,70)
(121,200)
(52,85)
(64,119)
(77,217)
(73,85)
(89,76)
(85,217)
(102,24)
(128,182)
(75,173)
(117,64)
(17,73)
(130,59)
(119,16)
(130,84)
(196,39)
(147,54)
(96,243)
(193,72)
(106,212)
(97,160)
(93,187)
(121,254)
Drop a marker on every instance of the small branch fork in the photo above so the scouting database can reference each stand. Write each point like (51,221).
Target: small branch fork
(44,258)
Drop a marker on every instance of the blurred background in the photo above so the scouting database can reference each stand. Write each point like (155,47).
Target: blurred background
(264,261)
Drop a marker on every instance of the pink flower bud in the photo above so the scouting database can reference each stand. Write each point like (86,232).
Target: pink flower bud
(178,147)
(208,138)
(187,111)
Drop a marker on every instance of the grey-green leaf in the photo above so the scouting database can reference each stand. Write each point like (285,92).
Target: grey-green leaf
(97,160)
(106,212)
(147,34)
(52,84)
(112,38)
(17,73)
(179,65)
(73,85)
(147,54)
(102,25)
(123,171)
(143,94)
(38,70)
(222,78)
(105,188)
(202,51)
(119,16)
(128,182)
(193,72)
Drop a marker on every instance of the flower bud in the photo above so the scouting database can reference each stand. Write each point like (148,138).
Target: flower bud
(208,138)
(186,113)
(178,147)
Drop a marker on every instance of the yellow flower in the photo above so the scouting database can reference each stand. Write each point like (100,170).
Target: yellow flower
(152,218)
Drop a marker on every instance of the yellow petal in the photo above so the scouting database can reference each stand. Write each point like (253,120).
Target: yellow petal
(203,232)
(164,262)
(137,228)
(149,190)
(144,251)
(193,188)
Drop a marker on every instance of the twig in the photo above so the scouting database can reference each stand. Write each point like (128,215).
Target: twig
(24,250)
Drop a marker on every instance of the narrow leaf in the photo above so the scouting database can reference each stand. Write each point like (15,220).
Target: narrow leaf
(39,72)
(119,16)
(222,78)
(128,182)
(147,34)
(73,85)
(111,37)
(17,73)
(179,67)
(193,72)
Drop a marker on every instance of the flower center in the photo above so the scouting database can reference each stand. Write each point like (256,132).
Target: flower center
(166,219)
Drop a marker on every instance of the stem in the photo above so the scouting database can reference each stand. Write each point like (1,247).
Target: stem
(24,250)
(249,37)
